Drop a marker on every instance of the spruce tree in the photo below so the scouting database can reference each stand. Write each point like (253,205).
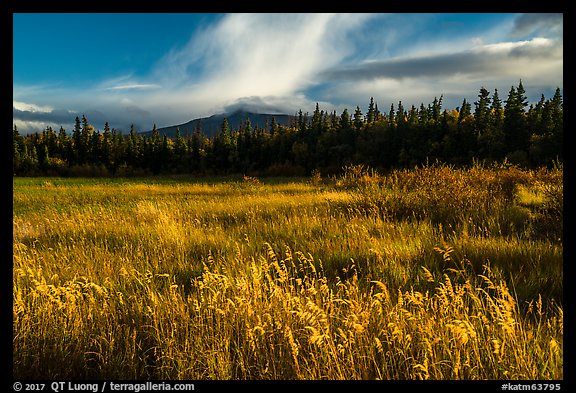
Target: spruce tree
(482,112)
(77,147)
(345,119)
(371,114)
(400,115)
(515,130)
(358,122)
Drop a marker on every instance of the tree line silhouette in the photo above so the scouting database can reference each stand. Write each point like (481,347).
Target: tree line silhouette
(490,130)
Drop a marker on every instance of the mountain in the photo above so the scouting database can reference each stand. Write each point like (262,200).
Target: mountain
(210,126)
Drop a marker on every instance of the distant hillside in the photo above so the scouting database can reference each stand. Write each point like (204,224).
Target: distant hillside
(210,126)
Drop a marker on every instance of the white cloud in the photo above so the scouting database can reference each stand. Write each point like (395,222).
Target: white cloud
(242,59)
(275,62)
(134,86)
(506,58)
(30,117)
(549,23)
(457,75)
(24,106)
(247,55)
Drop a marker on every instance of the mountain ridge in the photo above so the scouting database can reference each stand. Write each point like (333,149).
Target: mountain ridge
(211,125)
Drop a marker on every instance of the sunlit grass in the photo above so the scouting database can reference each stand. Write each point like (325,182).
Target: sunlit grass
(257,279)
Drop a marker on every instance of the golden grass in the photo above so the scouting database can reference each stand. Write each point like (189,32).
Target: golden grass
(248,280)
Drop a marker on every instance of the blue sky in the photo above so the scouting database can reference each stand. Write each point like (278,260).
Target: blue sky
(167,69)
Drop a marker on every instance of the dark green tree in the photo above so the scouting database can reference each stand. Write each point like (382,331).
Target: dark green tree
(78,149)
(345,119)
(400,115)
(17,148)
(423,115)
(358,121)
(516,132)
(316,125)
(222,147)
(273,126)
(465,111)
(86,152)
(392,116)
(436,109)
(371,114)
(482,112)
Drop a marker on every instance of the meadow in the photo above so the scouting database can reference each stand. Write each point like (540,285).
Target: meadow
(428,273)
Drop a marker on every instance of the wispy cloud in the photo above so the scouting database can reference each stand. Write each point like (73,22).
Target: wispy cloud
(547,23)
(255,55)
(32,117)
(503,59)
(58,116)
(27,107)
(287,62)
(261,62)
(134,86)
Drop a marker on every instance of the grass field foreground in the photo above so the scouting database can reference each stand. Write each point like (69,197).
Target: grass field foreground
(431,273)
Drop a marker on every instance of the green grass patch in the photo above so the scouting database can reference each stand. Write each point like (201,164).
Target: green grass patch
(437,273)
